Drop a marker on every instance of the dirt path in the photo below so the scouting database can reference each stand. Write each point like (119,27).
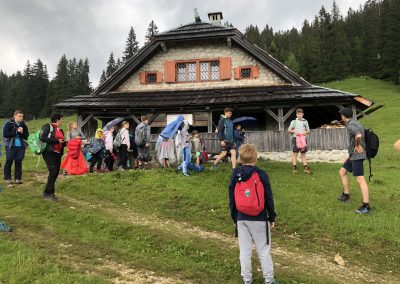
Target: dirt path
(315,264)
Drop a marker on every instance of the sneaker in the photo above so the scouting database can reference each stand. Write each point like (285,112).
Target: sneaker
(9,183)
(18,181)
(363,210)
(50,197)
(295,170)
(307,170)
(5,228)
(186,174)
(343,198)
(121,169)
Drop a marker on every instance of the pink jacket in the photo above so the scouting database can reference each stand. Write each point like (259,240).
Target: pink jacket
(108,141)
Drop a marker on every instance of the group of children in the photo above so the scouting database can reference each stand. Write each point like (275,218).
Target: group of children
(107,146)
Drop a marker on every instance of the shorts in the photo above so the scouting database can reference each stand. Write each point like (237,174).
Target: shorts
(294,146)
(228,147)
(354,166)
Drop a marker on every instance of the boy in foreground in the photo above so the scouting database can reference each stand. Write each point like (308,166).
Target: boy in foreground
(252,209)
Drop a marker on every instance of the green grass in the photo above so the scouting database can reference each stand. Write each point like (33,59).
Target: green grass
(180,227)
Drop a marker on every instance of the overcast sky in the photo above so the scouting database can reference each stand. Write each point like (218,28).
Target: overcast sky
(47,29)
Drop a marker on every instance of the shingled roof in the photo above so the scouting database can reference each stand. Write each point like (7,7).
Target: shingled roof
(195,31)
(214,98)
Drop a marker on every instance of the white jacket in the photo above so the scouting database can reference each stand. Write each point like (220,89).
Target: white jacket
(125,137)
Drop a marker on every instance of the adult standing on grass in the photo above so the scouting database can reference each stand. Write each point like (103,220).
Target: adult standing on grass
(354,163)
(142,140)
(53,136)
(299,129)
(226,137)
(15,134)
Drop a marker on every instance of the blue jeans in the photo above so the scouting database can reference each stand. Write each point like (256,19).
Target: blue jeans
(186,158)
(16,154)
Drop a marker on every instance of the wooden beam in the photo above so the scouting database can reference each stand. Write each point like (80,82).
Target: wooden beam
(229,41)
(83,122)
(154,116)
(280,119)
(210,122)
(289,113)
(271,113)
(135,119)
(164,47)
(354,109)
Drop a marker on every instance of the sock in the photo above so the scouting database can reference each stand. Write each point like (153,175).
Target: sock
(365,205)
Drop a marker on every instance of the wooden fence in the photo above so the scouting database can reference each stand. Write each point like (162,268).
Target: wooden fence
(279,141)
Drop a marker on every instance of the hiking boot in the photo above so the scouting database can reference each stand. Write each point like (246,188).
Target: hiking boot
(18,181)
(363,210)
(343,198)
(295,170)
(307,170)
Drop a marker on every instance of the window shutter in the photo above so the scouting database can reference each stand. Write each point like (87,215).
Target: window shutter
(236,72)
(255,71)
(169,71)
(142,77)
(159,77)
(225,68)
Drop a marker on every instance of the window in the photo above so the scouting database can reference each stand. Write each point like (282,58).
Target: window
(151,78)
(186,72)
(209,70)
(245,73)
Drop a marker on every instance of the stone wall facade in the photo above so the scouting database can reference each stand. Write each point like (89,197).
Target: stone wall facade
(326,156)
(203,51)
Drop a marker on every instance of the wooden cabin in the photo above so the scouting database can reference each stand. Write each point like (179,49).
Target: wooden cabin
(200,68)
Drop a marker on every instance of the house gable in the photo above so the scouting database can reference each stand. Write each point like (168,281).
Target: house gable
(194,52)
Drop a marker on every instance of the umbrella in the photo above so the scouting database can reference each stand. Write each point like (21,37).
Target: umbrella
(244,119)
(112,123)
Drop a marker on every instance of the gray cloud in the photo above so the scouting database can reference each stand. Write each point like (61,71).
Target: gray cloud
(47,29)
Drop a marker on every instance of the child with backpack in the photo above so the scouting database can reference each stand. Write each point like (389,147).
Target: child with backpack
(239,137)
(142,140)
(299,129)
(96,148)
(252,209)
(74,132)
(109,156)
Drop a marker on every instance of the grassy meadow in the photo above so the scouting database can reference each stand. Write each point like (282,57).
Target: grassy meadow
(157,226)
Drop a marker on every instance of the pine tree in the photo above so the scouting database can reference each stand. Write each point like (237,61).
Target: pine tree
(131,46)
(103,77)
(152,30)
(111,65)
(292,63)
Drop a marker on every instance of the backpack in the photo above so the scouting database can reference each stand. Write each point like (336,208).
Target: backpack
(140,136)
(95,145)
(117,141)
(36,145)
(371,147)
(249,195)
(6,141)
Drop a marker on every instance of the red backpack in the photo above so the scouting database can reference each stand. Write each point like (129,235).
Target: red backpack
(249,195)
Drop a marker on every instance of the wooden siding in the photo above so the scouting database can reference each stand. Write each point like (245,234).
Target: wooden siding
(279,141)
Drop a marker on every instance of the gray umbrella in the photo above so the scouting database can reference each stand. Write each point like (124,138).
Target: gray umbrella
(112,123)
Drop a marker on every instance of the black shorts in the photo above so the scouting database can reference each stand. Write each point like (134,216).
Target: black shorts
(228,146)
(356,167)
(294,146)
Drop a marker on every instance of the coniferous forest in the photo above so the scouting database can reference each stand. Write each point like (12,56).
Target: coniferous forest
(333,46)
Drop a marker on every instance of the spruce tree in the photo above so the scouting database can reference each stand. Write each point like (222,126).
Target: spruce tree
(131,46)
(152,30)
(111,65)
(103,77)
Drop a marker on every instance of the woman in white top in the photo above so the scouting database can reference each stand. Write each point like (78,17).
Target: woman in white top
(125,145)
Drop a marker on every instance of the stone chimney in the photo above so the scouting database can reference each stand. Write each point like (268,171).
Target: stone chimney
(215,18)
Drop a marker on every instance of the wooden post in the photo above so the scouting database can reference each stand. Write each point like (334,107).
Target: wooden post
(154,116)
(354,109)
(280,119)
(81,122)
(210,122)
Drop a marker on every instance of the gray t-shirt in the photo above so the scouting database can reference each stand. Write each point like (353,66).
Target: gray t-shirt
(300,126)
(354,128)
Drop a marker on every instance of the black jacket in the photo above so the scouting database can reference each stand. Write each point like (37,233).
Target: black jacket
(50,139)
(269,211)
(10,132)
